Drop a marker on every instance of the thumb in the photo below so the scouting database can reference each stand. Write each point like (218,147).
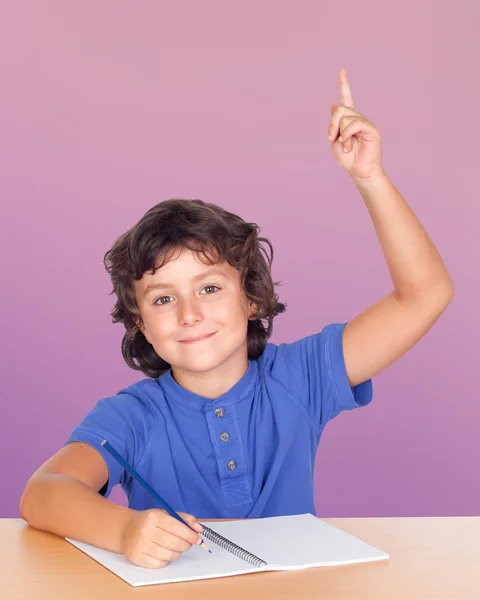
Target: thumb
(333,107)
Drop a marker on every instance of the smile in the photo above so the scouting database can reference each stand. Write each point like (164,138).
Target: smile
(192,340)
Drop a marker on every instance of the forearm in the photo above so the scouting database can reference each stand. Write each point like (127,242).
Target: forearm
(65,506)
(415,266)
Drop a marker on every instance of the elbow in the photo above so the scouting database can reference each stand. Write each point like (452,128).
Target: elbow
(438,293)
(432,300)
(27,504)
(451,292)
(445,293)
(442,296)
(442,290)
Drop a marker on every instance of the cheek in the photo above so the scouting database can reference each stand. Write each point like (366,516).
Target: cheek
(158,328)
(231,313)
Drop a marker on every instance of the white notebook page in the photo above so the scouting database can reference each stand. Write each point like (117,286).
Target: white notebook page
(291,542)
(297,541)
(194,564)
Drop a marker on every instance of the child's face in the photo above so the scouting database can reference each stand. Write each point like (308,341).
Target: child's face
(193,304)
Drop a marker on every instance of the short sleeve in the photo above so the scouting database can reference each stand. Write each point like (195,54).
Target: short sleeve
(313,370)
(121,420)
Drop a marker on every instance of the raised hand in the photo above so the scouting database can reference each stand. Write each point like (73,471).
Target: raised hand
(355,141)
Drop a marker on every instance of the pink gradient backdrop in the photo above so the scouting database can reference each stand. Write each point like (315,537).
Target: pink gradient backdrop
(109,107)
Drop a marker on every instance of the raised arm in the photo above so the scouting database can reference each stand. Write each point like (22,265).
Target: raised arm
(422,288)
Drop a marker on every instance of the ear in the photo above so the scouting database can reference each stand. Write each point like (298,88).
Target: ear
(144,331)
(141,327)
(252,310)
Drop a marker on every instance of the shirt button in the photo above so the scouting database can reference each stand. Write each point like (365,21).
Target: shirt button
(232,465)
(224,436)
(219,412)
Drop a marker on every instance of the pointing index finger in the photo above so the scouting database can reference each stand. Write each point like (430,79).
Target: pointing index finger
(345,91)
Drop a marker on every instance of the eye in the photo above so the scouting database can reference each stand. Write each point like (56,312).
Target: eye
(209,287)
(158,303)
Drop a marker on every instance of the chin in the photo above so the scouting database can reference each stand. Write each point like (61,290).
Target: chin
(201,358)
(203,362)
(197,367)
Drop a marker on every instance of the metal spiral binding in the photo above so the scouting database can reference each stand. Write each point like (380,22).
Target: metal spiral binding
(213,536)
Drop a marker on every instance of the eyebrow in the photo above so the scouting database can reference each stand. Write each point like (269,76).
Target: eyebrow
(164,285)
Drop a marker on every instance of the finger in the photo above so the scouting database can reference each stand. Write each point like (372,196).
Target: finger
(173,526)
(162,554)
(334,127)
(345,91)
(192,521)
(355,127)
(148,561)
(343,125)
(170,541)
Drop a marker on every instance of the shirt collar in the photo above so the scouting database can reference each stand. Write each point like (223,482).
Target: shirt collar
(235,394)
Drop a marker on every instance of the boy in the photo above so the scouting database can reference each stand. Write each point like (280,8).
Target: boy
(226,425)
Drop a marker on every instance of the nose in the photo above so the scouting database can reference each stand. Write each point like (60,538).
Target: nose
(189,312)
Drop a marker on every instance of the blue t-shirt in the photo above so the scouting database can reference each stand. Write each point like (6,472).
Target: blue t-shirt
(248,453)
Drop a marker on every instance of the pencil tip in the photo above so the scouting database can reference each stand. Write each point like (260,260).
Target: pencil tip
(205,547)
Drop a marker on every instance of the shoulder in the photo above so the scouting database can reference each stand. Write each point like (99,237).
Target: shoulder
(129,419)
(325,345)
(139,401)
(313,369)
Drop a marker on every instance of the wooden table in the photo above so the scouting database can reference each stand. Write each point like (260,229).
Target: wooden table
(434,558)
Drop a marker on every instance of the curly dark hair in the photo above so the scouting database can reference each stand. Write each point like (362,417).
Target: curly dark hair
(216,235)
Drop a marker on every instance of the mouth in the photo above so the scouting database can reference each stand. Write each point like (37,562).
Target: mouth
(193,340)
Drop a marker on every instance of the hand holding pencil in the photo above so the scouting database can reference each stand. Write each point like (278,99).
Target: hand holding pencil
(152,538)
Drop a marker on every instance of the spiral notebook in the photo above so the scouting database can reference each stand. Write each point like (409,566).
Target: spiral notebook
(268,544)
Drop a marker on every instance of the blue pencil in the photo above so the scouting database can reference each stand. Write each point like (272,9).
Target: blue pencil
(148,488)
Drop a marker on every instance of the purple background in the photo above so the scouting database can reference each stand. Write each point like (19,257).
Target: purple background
(110,107)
